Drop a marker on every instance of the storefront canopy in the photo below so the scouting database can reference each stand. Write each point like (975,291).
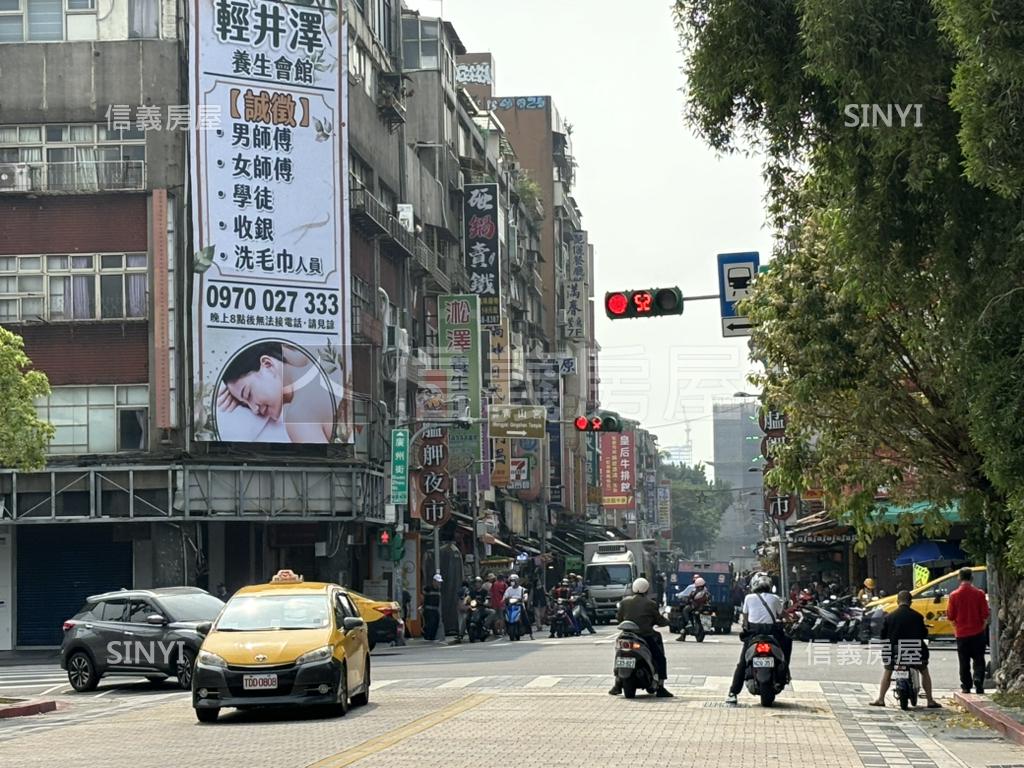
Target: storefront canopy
(890,513)
(930,552)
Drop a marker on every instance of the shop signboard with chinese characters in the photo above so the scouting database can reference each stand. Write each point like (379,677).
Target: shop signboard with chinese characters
(429,487)
(665,513)
(483,260)
(459,342)
(271,300)
(576,302)
(618,470)
(499,359)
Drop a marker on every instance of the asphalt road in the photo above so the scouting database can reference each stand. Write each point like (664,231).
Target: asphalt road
(542,701)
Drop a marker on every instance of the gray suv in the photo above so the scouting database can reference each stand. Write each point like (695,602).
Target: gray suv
(147,632)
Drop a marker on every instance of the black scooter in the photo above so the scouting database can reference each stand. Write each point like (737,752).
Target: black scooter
(766,673)
(634,665)
(476,622)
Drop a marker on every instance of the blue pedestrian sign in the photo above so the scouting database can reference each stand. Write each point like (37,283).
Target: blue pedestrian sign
(736,272)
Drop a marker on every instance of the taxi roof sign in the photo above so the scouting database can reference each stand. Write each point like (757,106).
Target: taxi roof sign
(285,575)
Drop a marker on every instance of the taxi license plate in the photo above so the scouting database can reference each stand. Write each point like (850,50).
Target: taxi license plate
(625,662)
(901,674)
(764,662)
(259,682)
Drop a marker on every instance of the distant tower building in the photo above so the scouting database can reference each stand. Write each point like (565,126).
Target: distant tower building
(737,447)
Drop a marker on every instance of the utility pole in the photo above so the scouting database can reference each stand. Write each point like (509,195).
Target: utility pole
(474,499)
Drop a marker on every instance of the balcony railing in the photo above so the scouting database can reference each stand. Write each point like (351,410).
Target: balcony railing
(73,177)
(401,237)
(368,212)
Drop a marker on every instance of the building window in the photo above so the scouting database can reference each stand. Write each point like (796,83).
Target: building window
(97,419)
(382,23)
(143,19)
(47,20)
(361,295)
(75,156)
(77,286)
(420,43)
(360,65)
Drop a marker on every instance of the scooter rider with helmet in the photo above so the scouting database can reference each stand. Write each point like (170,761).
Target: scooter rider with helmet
(515,590)
(644,612)
(697,596)
(762,615)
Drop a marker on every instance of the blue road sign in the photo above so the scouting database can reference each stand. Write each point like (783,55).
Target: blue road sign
(736,272)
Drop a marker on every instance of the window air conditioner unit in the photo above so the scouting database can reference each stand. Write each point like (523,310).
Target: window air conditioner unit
(14,177)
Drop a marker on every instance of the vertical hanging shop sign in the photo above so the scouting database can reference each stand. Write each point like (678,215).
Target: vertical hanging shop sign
(483,260)
(576,303)
(459,342)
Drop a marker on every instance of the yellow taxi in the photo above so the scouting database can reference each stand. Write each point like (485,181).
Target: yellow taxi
(930,600)
(383,618)
(289,642)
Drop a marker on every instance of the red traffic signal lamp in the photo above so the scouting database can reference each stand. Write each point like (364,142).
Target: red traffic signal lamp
(653,302)
(385,538)
(599,422)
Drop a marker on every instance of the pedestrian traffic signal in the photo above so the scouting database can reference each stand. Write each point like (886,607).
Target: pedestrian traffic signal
(385,538)
(600,422)
(653,302)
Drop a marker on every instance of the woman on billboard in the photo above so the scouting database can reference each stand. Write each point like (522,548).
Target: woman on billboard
(282,385)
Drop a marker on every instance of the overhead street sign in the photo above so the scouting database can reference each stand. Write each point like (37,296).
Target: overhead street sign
(506,421)
(736,273)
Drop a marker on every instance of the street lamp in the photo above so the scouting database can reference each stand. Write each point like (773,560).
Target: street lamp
(744,394)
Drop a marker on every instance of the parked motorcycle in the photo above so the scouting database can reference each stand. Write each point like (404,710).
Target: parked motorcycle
(766,672)
(514,618)
(634,665)
(476,622)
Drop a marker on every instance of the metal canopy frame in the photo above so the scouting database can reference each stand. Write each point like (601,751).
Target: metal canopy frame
(192,492)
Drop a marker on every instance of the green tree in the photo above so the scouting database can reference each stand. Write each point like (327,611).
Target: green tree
(890,323)
(23,437)
(697,506)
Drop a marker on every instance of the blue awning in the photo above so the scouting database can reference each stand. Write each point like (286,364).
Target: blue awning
(929,551)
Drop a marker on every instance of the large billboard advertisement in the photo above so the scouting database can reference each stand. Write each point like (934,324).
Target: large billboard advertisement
(271,317)
(618,470)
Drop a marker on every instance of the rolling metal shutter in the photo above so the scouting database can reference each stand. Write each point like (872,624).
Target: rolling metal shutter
(58,567)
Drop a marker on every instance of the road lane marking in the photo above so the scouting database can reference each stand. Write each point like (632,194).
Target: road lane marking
(385,741)
(54,688)
(378,684)
(544,681)
(460,682)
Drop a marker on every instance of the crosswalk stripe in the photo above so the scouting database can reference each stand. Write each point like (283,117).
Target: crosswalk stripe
(459,682)
(377,684)
(544,681)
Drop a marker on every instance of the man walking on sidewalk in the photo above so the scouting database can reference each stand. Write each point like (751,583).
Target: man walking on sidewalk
(968,610)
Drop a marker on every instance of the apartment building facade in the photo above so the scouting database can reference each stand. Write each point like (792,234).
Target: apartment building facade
(97,273)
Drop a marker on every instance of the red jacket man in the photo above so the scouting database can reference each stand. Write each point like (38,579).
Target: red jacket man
(498,593)
(968,610)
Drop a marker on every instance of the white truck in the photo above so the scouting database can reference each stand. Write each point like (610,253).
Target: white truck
(610,568)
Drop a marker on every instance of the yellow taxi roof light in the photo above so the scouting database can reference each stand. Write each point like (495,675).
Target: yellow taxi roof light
(286,575)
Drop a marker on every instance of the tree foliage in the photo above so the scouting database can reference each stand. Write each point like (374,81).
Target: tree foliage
(697,506)
(890,322)
(23,437)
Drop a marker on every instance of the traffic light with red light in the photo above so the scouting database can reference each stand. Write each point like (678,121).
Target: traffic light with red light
(599,422)
(385,538)
(653,302)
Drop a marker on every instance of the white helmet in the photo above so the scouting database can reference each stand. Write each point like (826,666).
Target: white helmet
(641,586)
(698,582)
(761,582)
(513,577)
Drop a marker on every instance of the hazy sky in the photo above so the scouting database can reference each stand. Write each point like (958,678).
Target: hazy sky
(657,203)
